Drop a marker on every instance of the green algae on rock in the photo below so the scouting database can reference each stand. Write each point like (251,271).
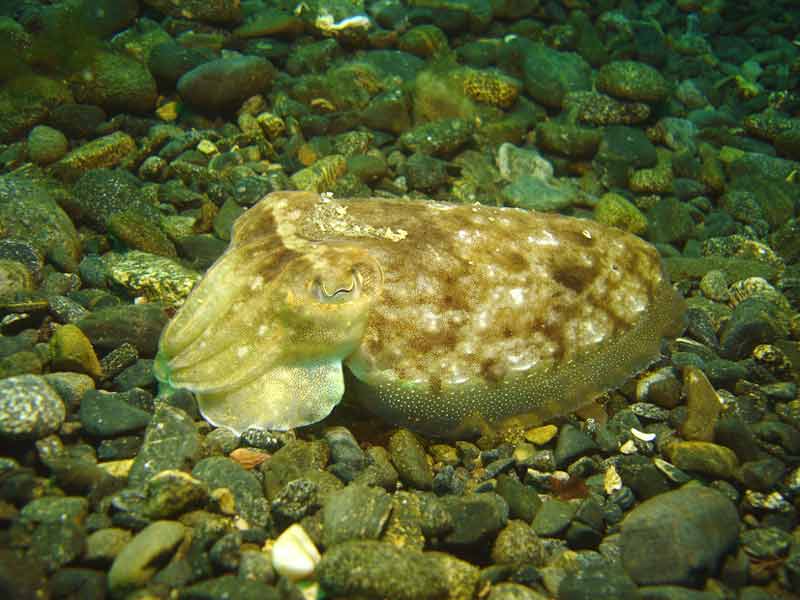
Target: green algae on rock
(446,315)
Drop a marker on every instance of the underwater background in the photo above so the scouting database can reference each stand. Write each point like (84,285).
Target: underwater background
(134,134)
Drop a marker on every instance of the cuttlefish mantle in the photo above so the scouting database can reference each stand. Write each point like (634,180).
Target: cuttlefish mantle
(443,313)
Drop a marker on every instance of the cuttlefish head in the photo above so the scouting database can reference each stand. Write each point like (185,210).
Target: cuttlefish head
(261,339)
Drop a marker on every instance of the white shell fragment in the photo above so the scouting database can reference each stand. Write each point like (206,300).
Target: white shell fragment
(641,435)
(294,555)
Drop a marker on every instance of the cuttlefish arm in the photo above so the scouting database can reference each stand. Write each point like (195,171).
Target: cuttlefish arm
(261,339)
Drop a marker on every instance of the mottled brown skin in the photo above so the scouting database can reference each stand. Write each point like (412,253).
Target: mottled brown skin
(443,313)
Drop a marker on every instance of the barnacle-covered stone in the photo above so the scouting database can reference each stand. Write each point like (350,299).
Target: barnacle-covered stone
(445,315)
(490,87)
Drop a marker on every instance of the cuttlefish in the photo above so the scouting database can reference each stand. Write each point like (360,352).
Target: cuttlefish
(442,314)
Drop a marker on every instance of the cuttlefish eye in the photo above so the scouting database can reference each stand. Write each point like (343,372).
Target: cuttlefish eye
(336,288)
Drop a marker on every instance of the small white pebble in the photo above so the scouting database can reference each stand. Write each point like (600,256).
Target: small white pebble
(294,555)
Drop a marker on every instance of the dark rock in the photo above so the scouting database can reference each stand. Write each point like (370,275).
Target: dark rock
(296,459)
(553,517)
(294,501)
(678,537)
(223,84)
(28,211)
(99,194)
(442,137)
(117,83)
(171,441)
(641,475)
(523,500)
(476,518)
(754,321)
(22,577)
(425,173)
(86,584)
(230,586)
(516,544)
(169,61)
(374,569)
(138,324)
(105,414)
(623,150)
(572,443)
(77,121)
(597,582)
(219,472)
(356,512)
(56,543)
(410,459)
(549,74)
(766,543)
(347,457)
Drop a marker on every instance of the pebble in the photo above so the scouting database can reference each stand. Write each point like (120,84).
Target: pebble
(103,545)
(29,407)
(104,152)
(171,493)
(517,543)
(170,441)
(221,472)
(703,406)
(754,321)
(107,414)
(223,84)
(523,500)
(230,586)
(57,543)
(513,591)
(137,324)
(679,536)
(707,458)
(356,512)
(294,555)
(373,569)
(52,509)
(632,80)
(347,457)
(136,564)
(292,461)
(595,581)
(553,517)
(476,518)
(409,458)
(46,145)
(572,443)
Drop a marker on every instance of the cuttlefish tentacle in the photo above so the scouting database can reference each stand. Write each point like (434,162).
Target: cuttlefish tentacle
(265,333)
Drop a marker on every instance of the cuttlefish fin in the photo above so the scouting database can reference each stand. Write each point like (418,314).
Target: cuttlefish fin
(281,398)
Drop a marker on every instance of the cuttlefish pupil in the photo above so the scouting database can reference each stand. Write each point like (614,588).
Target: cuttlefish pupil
(333,292)
(443,314)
